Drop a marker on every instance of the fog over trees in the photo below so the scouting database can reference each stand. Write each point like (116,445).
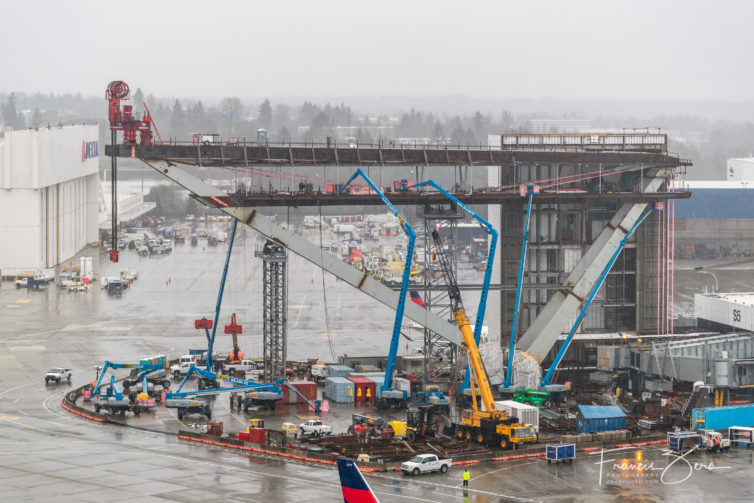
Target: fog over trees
(705,137)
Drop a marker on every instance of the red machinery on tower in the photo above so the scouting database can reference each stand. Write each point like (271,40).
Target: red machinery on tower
(123,119)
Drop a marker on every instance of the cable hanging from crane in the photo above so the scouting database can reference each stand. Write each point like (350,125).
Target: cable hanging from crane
(324,290)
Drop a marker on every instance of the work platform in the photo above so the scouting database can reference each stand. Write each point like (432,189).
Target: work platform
(409,198)
(321,155)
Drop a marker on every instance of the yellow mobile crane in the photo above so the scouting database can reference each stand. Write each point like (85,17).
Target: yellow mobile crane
(490,426)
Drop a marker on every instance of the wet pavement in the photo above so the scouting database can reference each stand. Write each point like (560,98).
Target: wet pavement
(46,452)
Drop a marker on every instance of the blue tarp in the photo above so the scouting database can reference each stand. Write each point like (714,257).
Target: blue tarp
(601,411)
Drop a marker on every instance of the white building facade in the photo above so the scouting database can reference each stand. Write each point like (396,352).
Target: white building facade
(49,194)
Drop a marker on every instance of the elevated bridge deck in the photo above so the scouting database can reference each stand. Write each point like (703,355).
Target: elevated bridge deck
(321,155)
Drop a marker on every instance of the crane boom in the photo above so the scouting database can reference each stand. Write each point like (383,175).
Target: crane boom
(392,354)
(479,374)
(488,270)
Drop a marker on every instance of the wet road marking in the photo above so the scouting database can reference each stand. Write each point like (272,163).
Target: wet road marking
(12,305)
(27,348)
(66,329)
(17,387)
(23,301)
(10,418)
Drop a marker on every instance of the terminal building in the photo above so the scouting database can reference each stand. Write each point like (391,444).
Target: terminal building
(49,196)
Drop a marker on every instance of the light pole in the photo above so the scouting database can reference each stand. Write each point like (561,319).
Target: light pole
(701,270)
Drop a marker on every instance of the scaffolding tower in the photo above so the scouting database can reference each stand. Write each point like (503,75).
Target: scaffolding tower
(275,309)
(440,356)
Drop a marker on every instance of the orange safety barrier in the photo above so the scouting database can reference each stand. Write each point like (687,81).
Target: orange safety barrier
(91,418)
(468,462)
(519,456)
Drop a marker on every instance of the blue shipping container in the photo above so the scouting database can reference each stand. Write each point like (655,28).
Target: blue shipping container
(720,418)
(600,418)
(339,389)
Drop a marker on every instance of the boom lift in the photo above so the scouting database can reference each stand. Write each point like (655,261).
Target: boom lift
(255,393)
(209,324)
(387,396)
(134,366)
(531,189)
(489,426)
(547,379)
(487,272)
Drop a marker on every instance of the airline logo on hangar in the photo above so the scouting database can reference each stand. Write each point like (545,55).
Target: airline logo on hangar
(89,149)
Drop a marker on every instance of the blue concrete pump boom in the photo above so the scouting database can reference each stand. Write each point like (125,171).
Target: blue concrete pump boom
(530,191)
(487,272)
(561,353)
(404,283)
(211,338)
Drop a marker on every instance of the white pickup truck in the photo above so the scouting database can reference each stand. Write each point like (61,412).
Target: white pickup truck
(426,463)
(314,427)
(182,367)
(57,374)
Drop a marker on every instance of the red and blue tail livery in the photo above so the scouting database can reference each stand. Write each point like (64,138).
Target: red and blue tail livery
(416,298)
(355,488)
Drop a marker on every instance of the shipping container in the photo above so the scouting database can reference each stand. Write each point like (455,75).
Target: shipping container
(339,389)
(339,371)
(526,414)
(306,388)
(364,388)
(719,418)
(597,418)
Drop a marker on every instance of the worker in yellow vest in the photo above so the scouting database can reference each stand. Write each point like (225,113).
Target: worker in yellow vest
(466,478)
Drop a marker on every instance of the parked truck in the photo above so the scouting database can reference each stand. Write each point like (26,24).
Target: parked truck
(29,282)
(426,463)
(314,427)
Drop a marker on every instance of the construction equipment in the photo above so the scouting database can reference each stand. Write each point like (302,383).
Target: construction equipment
(114,402)
(488,426)
(432,399)
(547,379)
(531,189)
(255,393)
(236,355)
(255,423)
(387,395)
(133,366)
(123,120)
(487,265)
(533,397)
(371,427)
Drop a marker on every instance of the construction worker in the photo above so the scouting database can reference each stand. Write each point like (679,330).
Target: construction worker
(466,478)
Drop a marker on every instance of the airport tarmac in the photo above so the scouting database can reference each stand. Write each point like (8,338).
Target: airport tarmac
(50,453)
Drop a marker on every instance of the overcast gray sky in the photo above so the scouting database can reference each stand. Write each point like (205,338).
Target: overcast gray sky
(575,49)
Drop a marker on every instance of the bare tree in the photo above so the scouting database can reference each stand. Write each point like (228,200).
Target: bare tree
(232,110)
